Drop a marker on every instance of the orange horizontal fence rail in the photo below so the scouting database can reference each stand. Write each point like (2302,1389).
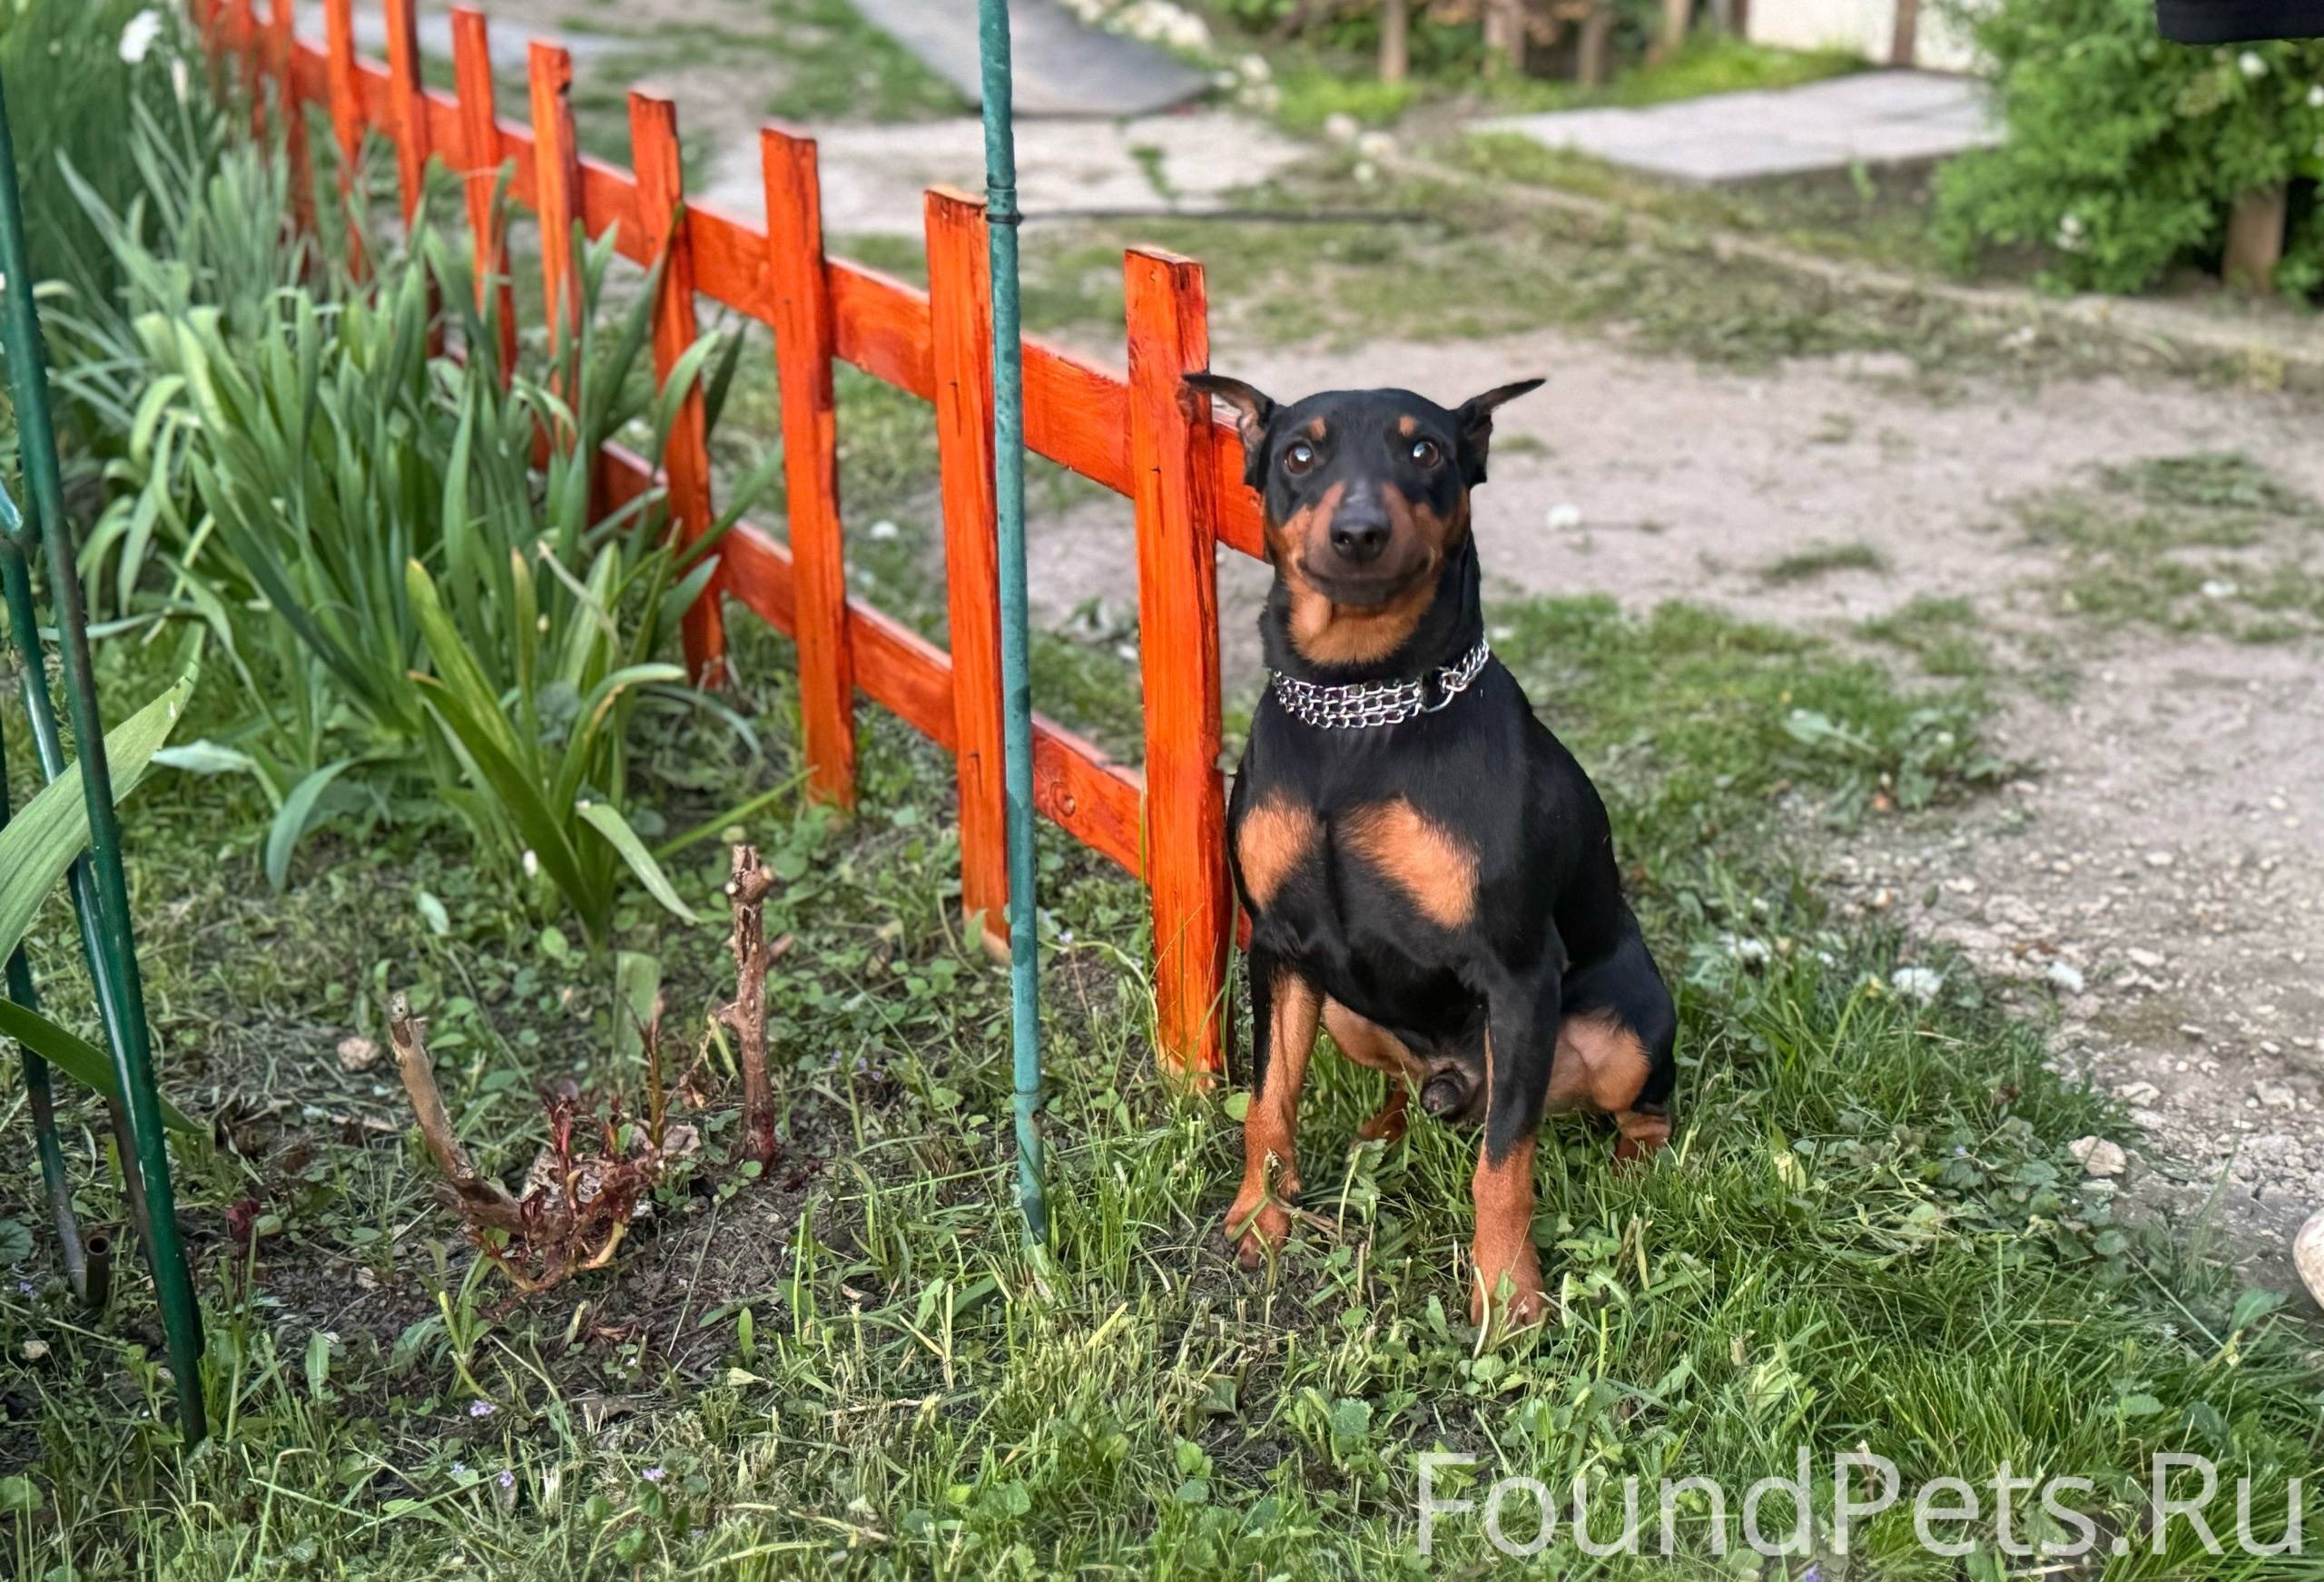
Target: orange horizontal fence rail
(1138,434)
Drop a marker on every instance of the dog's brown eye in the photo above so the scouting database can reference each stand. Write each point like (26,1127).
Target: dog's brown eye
(1425,452)
(1299,458)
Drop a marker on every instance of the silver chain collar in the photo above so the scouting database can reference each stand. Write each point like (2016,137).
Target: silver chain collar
(1378,703)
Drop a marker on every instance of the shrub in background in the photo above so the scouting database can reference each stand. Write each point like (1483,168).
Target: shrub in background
(2125,155)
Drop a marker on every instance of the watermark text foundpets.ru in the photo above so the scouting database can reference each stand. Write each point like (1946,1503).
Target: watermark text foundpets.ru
(2047,1518)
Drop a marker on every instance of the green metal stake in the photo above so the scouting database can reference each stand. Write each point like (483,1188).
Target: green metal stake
(113,961)
(1016,688)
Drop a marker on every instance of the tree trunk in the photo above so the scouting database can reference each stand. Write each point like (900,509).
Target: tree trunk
(1590,59)
(2255,240)
(1677,16)
(1505,33)
(1395,42)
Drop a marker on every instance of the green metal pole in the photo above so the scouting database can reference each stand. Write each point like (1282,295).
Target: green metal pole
(1017,691)
(113,965)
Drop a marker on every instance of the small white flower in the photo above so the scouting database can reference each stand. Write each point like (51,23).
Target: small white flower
(2316,95)
(1366,173)
(1254,68)
(138,37)
(1377,145)
(1341,127)
(532,864)
(180,80)
(1744,948)
(2219,588)
(1564,518)
(2249,63)
(882,530)
(1917,983)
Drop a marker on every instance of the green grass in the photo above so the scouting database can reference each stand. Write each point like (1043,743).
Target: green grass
(1820,560)
(2209,542)
(1938,632)
(1315,85)
(1453,258)
(1868,1231)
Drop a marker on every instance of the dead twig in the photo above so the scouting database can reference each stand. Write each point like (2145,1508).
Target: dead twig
(478,1198)
(745,1015)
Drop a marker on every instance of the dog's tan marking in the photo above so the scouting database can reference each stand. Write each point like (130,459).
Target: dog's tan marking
(1257,1221)
(1435,868)
(1308,525)
(1643,1133)
(1369,1044)
(1600,1065)
(1274,839)
(1408,425)
(1316,429)
(1505,1268)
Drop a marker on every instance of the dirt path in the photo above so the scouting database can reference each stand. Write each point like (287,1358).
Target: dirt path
(2157,870)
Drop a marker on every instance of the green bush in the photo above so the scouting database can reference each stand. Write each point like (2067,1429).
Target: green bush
(353,516)
(73,72)
(2124,154)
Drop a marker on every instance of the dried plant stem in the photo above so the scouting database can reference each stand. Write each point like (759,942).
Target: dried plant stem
(746,891)
(480,1199)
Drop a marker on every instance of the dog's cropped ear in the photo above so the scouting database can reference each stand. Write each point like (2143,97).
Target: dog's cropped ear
(1475,416)
(1252,413)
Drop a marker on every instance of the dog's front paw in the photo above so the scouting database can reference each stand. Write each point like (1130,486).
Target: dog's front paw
(1509,1298)
(1258,1224)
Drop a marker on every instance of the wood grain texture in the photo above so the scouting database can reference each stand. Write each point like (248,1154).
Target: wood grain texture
(346,123)
(249,50)
(661,203)
(480,165)
(960,275)
(881,325)
(1178,605)
(802,357)
(407,115)
(282,44)
(557,179)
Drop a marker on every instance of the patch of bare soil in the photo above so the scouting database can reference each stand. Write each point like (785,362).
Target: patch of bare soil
(2158,868)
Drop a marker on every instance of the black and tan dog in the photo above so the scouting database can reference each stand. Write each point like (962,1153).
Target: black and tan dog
(1429,873)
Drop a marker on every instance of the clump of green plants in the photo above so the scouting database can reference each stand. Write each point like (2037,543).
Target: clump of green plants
(350,511)
(2126,155)
(2209,542)
(60,62)
(1699,713)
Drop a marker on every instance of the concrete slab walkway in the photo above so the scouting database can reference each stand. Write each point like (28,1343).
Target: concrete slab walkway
(1869,118)
(1175,164)
(1062,68)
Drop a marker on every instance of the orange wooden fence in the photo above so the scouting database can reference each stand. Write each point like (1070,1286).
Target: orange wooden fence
(1136,433)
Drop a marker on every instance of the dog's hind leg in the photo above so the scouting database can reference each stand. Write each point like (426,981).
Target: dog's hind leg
(1617,1049)
(1367,1043)
(1285,1010)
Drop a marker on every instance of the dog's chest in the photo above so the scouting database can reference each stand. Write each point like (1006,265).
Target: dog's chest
(1307,862)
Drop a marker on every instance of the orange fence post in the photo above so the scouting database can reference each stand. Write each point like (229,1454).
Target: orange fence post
(804,339)
(557,182)
(661,209)
(280,41)
(480,154)
(1177,622)
(960,295)
(247,47)
(346,122)
(407,116)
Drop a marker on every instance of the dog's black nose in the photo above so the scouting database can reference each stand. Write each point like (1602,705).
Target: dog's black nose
(1358,538)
